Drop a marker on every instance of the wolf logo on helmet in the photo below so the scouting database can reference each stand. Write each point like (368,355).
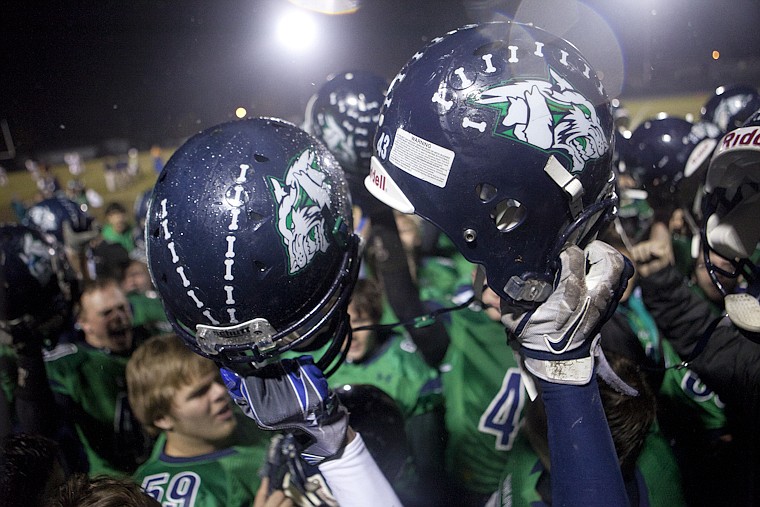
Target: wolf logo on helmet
(279,259)
(44,218)
(549,115)
(338,141)
(492,133)
(35,255)
(300,201)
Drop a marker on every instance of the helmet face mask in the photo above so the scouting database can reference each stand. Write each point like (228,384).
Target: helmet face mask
(501,135)
(730,228)
(732,190)
(249,241)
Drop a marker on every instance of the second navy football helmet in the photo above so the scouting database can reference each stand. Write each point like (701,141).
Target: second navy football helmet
(730,106)
(62,218)
(250,243)
(38,287)
(501,135)
(343,114)
(659,149)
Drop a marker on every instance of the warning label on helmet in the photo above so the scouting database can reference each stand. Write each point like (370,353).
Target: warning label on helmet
(420,158)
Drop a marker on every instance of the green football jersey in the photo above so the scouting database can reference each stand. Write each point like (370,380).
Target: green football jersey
(148,312)
(398,370)
(657,476)
(482,388)
(225,478)
(95,382)
(484,398)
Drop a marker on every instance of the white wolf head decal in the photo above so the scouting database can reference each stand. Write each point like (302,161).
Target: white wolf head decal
(34,254)
(300,200)
(549,115)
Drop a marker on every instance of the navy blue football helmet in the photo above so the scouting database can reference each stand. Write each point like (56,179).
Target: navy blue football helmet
(730,106)
(250,243)
(501,135)
(62,218)
(659,150)
(343,114)
(38,287)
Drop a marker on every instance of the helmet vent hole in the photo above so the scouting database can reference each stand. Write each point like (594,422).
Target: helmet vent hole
(156,232)
(260,158)
(255,216)
(485,192)
(508,215)
(260,266)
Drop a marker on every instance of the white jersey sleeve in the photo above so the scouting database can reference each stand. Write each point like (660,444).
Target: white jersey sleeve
(356,480)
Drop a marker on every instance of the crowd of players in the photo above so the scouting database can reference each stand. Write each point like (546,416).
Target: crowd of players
(265,258)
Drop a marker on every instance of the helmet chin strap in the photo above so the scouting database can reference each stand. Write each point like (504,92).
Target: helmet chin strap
(531,290)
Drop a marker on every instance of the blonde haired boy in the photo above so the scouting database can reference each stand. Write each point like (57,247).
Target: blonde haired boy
(207,453)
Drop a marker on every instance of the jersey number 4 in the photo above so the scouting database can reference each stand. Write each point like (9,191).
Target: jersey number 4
(502,416)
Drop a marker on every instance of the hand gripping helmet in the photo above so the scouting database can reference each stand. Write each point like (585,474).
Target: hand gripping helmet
(499,134)
(250,243)
(730,228)
(62,218)
(730,106)
(38,286)
(343,114)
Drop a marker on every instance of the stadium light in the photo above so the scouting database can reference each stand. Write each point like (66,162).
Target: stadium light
(296,30)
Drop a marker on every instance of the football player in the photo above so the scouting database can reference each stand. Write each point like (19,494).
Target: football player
(501,135)
(251,246)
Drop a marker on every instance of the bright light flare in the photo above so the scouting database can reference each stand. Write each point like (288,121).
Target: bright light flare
(329,6)
(241,112)
(715,54)
(296,30)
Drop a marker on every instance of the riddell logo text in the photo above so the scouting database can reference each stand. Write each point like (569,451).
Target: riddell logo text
(741,139)
(377,179)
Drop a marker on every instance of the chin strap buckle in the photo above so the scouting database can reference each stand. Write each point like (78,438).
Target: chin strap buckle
(567,182)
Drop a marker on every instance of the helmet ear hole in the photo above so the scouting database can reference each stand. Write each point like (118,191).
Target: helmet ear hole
(486,192)
(260,158)
(508,214)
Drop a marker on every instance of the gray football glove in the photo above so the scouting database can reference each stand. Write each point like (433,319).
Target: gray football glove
(559,340)
(293,395)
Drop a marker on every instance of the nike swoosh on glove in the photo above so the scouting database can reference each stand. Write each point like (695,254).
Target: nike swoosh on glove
(559,340)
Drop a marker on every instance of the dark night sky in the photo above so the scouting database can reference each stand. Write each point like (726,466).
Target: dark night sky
(77,73)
